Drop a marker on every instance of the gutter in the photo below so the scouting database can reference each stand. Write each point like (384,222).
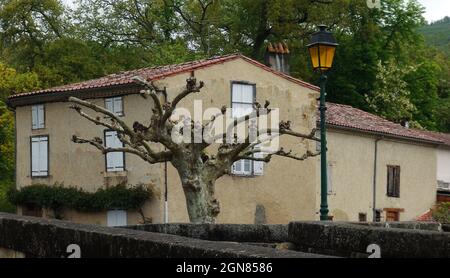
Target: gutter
(375,166)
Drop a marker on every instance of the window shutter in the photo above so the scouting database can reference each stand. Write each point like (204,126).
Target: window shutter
(118,106)
(39,156)
(34,117)
(115,160)
(41,117)
(258,166)
(397,181)
(34,157)
(43,156)
(390,182)
(109,104)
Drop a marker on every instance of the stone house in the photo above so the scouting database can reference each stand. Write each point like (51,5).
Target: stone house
(360,144)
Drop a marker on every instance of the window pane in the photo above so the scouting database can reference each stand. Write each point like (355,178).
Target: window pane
(247,166)
(237,93)
(243,93)
(240,110)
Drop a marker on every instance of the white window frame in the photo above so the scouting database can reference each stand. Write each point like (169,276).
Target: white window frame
(38,116)
(116,218)
(39,156)
(115,161)
(255,168)
(115,105)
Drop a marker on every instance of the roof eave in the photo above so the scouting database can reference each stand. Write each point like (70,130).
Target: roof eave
(385,135)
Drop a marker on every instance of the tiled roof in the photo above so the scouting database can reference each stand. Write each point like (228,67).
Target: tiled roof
(443,137)
(426,217)
(345,116)
(155,73)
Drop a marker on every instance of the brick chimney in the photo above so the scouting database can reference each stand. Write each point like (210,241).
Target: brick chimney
(277,57)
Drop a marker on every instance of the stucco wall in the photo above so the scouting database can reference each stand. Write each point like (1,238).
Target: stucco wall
(351,157)
(287,189)
(443,165)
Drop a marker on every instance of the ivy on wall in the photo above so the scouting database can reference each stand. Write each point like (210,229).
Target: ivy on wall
(57,197)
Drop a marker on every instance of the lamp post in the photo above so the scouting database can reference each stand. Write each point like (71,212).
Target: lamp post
(322,49)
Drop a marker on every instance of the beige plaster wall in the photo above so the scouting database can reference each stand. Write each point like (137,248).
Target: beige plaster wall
(287,190)
(351,159)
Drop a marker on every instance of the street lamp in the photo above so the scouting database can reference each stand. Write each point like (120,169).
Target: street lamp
(322,49)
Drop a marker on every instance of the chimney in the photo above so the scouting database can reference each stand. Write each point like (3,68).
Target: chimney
(277,57)
(405,123)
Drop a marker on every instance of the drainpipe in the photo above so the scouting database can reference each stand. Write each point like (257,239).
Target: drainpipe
(375,162)
(166,188)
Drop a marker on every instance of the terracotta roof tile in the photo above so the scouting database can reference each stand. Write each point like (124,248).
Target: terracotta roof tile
(426,217)
(345,116)
(155,73)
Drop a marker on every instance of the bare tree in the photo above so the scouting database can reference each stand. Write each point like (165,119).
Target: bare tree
(198,169)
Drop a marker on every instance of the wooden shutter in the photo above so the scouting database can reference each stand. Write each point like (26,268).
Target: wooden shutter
(118,106)
(258,166)
(393,181)
(109,104)
(397,181)
(114,161)
(37,116)
(41,116)
(39,156)
(34,117)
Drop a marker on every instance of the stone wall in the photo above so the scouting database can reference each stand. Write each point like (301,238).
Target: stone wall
(222,232)
(351,240)
(37,237)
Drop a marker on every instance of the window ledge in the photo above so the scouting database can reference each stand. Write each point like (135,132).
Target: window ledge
(116,174)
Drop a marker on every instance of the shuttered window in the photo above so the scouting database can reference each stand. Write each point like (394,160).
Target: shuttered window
(115,105)
(115,161)
(116,218)
(38,116)
(393,181)
(39,156)
(243,97)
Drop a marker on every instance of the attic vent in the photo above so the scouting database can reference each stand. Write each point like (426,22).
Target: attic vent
(277,57)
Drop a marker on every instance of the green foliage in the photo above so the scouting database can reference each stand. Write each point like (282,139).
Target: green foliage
(442,213)
(391,97)
(58,197)
(437,34)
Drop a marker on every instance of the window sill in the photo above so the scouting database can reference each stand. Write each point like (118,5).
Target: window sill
(116,174)
(245,176)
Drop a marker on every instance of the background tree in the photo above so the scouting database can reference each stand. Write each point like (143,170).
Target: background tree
(197,166)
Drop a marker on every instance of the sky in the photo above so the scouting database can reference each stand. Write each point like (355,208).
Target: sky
(435,9)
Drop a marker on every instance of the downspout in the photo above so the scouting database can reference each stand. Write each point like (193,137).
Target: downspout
(166,188)
(375,162)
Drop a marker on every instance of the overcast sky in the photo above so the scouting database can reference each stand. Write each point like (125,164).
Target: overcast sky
(435,9)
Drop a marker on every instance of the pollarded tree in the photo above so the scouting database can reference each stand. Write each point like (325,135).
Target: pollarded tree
(198,169)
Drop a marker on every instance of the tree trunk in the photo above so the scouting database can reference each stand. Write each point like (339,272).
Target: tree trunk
(202,206)
(198,185)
